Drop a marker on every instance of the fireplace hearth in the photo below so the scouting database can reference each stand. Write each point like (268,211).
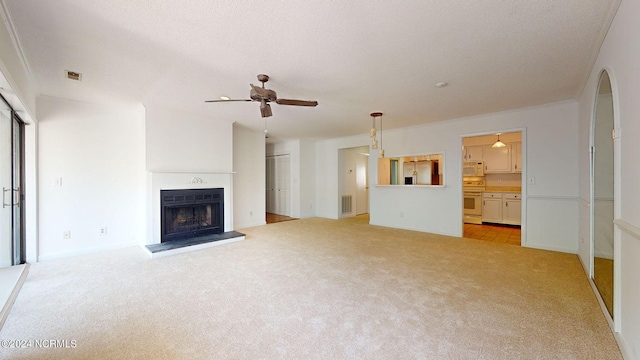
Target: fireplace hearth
(191,213)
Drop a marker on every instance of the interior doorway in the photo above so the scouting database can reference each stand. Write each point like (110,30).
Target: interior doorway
(492,187)
(353,181)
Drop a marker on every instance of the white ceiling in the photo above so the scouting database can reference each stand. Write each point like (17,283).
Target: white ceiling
(353,57)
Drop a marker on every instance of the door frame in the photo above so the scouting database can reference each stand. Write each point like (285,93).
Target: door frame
(17,256)
(614,322)
(523,210)
(275,156)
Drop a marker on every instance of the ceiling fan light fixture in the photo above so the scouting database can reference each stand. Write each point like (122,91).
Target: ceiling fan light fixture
(498,143)
(265,96)
(265,109)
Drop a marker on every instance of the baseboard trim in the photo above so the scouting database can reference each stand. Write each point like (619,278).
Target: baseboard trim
(550,248)
(249,225)
(624,348)
(97,249)
(4,313)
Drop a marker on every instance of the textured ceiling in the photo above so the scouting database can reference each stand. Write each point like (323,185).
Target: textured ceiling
(353,57)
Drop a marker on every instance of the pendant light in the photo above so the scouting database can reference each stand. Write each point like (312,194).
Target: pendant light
(373,132)
(498,143)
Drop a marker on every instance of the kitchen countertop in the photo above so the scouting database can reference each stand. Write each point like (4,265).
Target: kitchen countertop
(503,189)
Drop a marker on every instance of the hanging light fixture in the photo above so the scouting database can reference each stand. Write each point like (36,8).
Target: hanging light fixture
(372,133)
(498,143)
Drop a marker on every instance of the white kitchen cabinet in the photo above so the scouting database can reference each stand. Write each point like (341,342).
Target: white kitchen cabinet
(472,153)
(492,207)
(512,209)
(502,208)
(497,160)
(516,157)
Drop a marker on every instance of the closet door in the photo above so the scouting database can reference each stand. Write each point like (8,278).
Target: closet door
(283,185)
(278,174)
(11,165)
(6,211)
(271,184)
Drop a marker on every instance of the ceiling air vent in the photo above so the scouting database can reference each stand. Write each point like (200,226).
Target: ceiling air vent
(73,75)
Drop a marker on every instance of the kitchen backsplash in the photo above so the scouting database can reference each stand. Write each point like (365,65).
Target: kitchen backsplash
(510,180)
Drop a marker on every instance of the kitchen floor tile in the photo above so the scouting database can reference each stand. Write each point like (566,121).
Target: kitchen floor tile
(507,234)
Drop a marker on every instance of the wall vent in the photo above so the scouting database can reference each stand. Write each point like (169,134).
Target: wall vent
(347,200)
(73,75)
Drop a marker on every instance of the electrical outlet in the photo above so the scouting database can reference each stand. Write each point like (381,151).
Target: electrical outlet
(103,231)
(66,235)
(401,214)
(532,180)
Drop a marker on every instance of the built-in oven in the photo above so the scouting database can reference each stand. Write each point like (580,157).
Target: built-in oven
(472,195)
(473,207)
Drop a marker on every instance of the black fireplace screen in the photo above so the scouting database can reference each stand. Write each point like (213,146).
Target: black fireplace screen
(191,213)
(187,218)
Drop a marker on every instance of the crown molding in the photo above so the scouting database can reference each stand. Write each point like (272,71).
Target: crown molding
(13,33)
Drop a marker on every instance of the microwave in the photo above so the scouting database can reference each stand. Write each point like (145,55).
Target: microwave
(473,168)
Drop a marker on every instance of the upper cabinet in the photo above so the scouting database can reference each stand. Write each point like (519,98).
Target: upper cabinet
(497,160)
(500,160)
(516,157)
(472,153)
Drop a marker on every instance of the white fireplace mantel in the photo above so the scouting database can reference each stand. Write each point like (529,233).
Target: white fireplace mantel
(157,181)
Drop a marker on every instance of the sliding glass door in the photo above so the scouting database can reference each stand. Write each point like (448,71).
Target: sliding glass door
(11,165)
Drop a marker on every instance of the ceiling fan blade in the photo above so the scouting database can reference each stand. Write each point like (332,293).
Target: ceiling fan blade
(296,102)
(228,100)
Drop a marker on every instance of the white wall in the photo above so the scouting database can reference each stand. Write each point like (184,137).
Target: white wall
(307,178)
(249,177)
(97,152)
(620,55)
(181,142)
(551,157)
(21,92)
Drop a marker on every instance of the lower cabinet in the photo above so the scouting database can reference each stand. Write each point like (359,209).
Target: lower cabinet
(512,210)
(501,208)
(492,207)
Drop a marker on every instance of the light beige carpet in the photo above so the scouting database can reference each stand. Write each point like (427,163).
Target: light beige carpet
(319,289)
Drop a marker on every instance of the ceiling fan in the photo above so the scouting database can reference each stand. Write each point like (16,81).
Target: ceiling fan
(265,96)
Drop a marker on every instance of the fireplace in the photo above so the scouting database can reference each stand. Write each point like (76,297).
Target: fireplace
(191,213)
